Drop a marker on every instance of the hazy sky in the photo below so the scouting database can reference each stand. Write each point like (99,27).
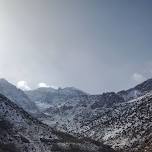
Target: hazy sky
(94,45)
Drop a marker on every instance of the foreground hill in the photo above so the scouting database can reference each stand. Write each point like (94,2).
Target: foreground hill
(20,132)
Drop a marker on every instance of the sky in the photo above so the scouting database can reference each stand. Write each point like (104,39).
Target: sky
(93,45)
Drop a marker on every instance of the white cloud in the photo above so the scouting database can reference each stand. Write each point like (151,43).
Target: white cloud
(23,85)
(44,85)
(138,77)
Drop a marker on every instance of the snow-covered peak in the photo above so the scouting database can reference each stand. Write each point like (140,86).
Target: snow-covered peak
(51,96)
(16,95)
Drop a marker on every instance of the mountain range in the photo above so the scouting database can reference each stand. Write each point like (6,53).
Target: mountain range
(121,120)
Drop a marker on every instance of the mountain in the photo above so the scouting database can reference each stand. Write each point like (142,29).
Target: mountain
(137,91)
(46,97)
(124,122)
(20,132)
(79,106)
(125,126)
(121,120)
(17,96)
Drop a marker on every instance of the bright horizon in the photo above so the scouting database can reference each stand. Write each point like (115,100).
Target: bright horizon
(96,46)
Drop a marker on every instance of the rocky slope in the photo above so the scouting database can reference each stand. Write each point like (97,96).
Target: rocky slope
(137,91)
(125,126)
(77,108)
(20,132)
(17,96)
(123,122)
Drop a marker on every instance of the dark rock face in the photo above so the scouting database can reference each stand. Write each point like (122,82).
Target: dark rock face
(145,86)
(8,148)
(107,100)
